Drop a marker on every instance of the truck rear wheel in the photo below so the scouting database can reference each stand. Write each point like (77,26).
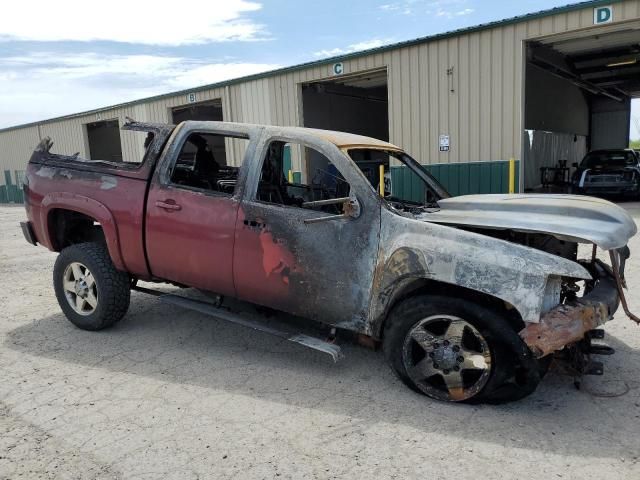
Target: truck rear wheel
(457,351)
(91,292)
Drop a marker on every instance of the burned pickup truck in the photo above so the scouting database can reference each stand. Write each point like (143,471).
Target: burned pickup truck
(469,297)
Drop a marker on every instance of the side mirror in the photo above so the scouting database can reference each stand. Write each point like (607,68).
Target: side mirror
(350,209)
(574,164)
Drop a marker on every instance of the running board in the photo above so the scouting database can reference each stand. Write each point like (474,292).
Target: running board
(279,330)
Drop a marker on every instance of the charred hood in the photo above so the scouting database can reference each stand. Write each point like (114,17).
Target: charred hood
(567,217)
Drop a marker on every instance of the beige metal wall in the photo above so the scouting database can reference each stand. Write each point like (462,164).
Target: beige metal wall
(16,147)
(483,114)
(479,106)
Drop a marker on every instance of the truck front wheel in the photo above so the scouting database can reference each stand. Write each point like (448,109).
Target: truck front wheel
(91,292)
(454,350)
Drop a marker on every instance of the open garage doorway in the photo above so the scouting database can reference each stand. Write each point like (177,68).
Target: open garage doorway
(211,110)
(355,103)
(103,140)
(578,92)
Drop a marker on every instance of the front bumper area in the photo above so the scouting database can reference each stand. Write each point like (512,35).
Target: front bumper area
(570,322)
(610,189)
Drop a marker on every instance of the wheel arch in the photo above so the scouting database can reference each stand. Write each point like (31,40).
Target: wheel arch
(413,286)
(64,213)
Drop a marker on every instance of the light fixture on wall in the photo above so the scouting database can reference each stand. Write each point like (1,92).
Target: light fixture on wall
(451,81)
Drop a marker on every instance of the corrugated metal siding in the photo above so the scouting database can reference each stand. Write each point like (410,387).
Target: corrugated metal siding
(16,147)
(482,115)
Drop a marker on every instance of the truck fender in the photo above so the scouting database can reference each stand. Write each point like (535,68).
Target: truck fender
(89,207)
(507,275)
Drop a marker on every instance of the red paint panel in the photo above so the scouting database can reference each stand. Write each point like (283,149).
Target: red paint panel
(263,264)
(190,237)
(116,201)
(321,271)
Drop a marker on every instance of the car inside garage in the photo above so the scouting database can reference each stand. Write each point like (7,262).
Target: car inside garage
(578,92)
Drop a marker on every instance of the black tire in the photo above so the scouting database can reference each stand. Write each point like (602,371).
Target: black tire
(109,287)
(511,374)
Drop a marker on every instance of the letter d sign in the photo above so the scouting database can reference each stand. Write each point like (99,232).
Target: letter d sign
(602,15)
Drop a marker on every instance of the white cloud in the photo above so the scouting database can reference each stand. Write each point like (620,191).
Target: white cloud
(203,74)
(454,13)
(405,7)
(354,47)
(440,8)
(153,23)
(40,86)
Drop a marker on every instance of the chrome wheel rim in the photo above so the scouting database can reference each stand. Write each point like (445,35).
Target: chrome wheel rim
(80,288)
(447,358)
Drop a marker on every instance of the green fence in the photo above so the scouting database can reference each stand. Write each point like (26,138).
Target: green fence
(457,178)
(11,191)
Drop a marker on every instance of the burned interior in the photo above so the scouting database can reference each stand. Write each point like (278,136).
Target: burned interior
(317,189)
(202,163)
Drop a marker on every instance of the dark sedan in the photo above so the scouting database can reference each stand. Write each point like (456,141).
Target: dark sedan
(608,172)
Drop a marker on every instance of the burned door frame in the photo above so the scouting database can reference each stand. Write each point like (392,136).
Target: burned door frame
(322,271)
(210,252)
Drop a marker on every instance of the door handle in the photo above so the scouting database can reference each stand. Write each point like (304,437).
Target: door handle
(168,205)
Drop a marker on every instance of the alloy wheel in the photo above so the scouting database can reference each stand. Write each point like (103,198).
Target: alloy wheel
(80,288)
(447,358)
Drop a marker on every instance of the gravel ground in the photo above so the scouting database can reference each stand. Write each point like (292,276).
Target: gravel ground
(175,394)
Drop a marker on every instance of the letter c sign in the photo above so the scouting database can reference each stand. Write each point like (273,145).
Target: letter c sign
(602,15)
(338,68)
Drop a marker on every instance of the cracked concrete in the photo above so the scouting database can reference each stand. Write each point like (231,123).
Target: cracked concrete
(175,394)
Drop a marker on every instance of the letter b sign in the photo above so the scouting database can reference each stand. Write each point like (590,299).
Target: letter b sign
(602,15)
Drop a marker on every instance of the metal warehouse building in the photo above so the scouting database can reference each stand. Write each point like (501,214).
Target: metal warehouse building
(542,89)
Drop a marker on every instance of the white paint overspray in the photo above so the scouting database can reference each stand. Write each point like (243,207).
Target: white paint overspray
(46,172)
(108,182)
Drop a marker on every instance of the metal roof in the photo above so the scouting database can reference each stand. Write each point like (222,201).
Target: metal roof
(302,66)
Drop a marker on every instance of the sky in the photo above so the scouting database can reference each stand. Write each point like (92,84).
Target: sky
(69,56)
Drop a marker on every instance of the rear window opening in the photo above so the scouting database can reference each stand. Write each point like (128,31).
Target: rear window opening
(103,139)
